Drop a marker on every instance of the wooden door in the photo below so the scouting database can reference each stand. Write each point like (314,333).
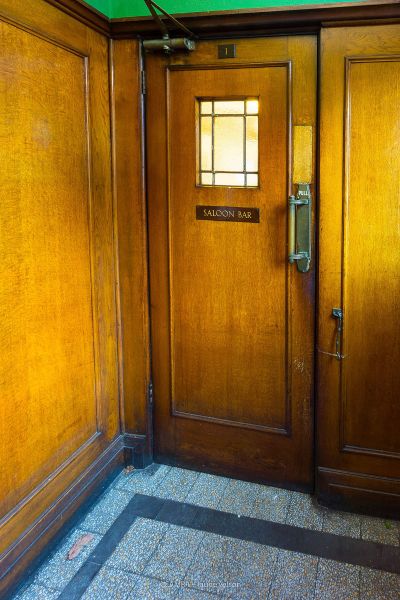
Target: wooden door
(232,321)
(358,406)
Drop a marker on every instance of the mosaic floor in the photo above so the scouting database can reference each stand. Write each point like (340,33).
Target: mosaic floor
(166,534)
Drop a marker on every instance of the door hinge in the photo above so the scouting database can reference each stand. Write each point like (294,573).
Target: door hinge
(150,393)
(143,82)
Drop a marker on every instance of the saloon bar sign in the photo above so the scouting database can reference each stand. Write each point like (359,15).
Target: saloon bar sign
(239,214)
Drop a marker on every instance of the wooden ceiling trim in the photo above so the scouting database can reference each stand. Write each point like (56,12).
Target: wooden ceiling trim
(241,23)
(84,13)
(265,21)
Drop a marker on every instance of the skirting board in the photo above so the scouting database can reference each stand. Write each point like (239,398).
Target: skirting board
(24,556)
(357,492)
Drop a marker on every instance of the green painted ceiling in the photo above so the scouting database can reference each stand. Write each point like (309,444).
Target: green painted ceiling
(137,8)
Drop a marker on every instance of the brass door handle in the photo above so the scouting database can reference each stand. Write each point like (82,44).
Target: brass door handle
(299,235)
(337,313)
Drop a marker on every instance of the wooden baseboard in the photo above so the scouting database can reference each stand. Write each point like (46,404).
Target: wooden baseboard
(357,492)
(138,450)
(29,550)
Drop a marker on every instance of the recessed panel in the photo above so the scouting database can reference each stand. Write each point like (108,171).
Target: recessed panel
(46,319)
(371,374)
(228,272)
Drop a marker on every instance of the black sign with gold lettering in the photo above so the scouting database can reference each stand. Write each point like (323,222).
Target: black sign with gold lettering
(238,214)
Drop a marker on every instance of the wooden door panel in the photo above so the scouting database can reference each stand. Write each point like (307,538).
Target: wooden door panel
(232,322)
(240,285)
(358,408)
(371,279)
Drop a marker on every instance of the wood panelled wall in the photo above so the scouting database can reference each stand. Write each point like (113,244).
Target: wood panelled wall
(61,366)
(74,331)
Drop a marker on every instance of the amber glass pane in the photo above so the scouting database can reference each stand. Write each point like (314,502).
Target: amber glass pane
(206,179)
(229,107)
(229,179)
(252,107)
(251,143)
(205,107)
(252,180)
(206,143)
(228,143)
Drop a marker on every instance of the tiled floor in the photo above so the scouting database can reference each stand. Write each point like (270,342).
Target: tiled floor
(151,557)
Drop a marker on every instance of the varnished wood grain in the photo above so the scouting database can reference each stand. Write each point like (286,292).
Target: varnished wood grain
(131,232)
(234,345)
(59,380)
(358,412)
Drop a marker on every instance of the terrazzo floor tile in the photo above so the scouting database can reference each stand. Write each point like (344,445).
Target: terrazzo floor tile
(207,490)
(378,585)
(304,513)
(174,554)
(37,592)
(58,570)
(177,484)
(232,568)
(192,594)
(111,583)
(337,581)
(137,546)
(342,523)
(106,511)
(144,481)
(154,589)
(380,530)
(253,500)
(295,576)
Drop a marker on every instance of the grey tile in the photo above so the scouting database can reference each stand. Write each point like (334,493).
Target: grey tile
(177,484)
(37,592)
(153,589)
(271,504)
(192,594)
(379,585)
(207,490)
(253,500)
(342,523)
(380,530)
(174,554)
(231,567)
(337,581)
(295,576)
(304,513)
(143,481)
(58,570)
(106,511)
(137,546)
(111,583)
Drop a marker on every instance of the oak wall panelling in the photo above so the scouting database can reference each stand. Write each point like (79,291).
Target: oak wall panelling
(358,396)
(59,403)
(131,233)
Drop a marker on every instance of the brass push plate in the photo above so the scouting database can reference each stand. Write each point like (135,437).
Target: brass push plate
(238,214)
